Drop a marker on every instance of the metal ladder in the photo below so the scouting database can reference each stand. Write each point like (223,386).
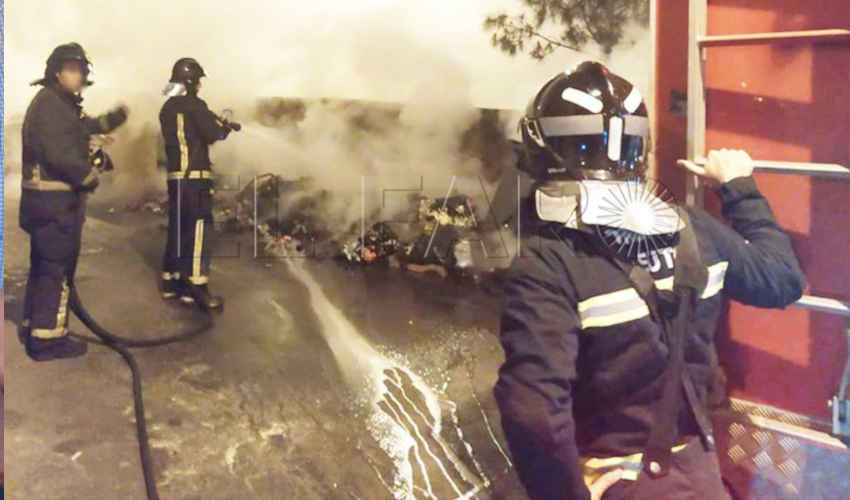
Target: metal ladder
(698,45)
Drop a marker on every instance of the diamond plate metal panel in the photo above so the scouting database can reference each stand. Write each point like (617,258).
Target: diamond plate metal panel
(765,464)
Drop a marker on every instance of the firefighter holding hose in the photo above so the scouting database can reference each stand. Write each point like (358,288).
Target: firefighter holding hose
(189,128)
(611,308)
(58,175)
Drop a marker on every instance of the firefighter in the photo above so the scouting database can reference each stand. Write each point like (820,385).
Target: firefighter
(57,178)
(189,128)
(609,350)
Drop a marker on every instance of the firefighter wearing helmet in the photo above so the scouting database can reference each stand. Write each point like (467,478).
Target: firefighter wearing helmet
(58,175)
(612,303)
(188,130)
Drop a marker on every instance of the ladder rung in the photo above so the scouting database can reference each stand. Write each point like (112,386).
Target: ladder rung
(813,36)
(824,304)
(815,169)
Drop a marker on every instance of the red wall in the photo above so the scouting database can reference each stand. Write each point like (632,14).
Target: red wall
(779,103)
(671,73)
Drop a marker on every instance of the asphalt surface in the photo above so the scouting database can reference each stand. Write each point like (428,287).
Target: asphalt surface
(316,382)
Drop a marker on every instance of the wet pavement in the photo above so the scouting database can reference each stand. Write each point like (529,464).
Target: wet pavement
(316,382)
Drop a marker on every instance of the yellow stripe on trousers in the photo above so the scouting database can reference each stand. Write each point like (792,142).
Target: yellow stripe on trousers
(596,467)
(61,317)
(197,278)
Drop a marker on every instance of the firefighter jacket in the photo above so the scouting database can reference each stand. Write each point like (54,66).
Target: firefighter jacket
(55,141)
(584,360)
(189,127)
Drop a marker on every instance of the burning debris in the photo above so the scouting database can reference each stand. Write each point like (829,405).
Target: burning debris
(438,239)
(378,244)
(442,245)
(457,212)
(289,213)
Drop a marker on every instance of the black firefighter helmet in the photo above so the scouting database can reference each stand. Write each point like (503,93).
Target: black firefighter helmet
(587,123)
(186,71)
(71,51)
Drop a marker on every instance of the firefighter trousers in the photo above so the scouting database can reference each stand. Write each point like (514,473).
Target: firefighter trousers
(54,222)
(187,249)
(694,474)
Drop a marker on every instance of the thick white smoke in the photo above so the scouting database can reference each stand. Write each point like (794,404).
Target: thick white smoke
(434,58)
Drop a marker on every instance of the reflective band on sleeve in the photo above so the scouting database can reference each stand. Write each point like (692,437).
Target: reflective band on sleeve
(612,308)
(181,139)
(716,278)
(37,184)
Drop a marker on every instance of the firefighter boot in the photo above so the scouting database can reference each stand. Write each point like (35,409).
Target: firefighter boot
(24,332)
(200,295)
(58,348)
(170,288)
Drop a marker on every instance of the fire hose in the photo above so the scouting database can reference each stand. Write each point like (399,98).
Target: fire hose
(226,120)
(122,346)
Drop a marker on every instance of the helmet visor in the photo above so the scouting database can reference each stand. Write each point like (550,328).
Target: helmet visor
(584,142)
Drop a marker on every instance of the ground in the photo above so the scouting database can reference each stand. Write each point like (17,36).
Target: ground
(316,382)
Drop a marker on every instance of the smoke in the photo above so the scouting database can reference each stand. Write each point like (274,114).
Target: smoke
(433,58)
(371,157)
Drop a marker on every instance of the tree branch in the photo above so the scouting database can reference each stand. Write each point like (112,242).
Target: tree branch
(555,42)
(601,21)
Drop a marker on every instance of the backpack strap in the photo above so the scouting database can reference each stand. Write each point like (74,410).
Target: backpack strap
(671,310)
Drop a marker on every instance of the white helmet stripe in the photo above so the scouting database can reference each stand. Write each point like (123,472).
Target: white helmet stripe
(582,99)
(633,101)
(615,138)
(636,125)
(554,126)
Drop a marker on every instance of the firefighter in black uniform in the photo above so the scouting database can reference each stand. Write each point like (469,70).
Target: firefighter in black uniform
(609,351)
(188,128)
(57,177)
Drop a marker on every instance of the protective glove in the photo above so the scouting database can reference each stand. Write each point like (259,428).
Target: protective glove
(721,166)
(90,187)
(117,116)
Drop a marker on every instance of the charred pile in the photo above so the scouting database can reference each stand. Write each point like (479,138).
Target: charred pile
(289,218)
